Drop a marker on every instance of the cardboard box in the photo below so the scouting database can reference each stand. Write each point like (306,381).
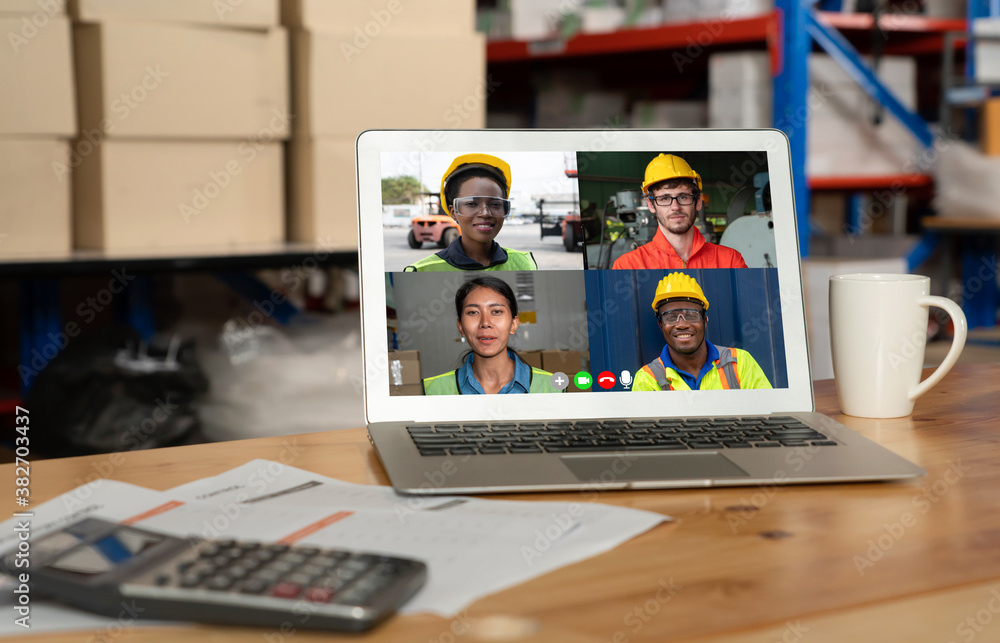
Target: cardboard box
(406,389)
(566,361)
(163,81)
(404,368)
(245,14)
(323,202)
(343,86)
(36,74)
(991,127)
(34,204)
(569,362)
(377,17)
(531,358)
(45,7)
(169,194)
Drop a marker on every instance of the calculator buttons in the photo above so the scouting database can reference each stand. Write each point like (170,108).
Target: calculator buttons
(329,559)
(286,590)
(237,572)
(313,569)
(281,566)
(319,595)
(300,579)
(255,586)
(293,558)
(210,550)
(219,583)
(329,579)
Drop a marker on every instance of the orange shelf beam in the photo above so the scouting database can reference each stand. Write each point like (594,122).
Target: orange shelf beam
(870,182)
(671,36)
(914,34)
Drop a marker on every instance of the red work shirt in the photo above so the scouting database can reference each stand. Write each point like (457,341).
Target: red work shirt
(659,254)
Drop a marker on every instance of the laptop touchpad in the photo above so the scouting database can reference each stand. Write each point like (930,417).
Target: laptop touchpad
(651,466)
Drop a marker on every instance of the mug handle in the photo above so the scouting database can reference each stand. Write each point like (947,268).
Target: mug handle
(957,344)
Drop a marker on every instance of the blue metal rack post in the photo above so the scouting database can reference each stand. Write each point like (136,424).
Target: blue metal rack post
(791,111)
(800,26)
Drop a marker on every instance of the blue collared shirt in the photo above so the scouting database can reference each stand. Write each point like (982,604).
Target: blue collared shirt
(694,383)
(455,255)
(469,385)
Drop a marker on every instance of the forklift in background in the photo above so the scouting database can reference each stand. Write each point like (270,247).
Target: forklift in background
(435,227)
(566,226)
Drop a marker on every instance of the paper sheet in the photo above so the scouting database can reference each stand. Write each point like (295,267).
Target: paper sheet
(473,547)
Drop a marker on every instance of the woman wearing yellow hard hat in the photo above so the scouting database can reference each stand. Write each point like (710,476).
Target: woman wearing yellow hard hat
(688,360)
(475,192)
(487,320)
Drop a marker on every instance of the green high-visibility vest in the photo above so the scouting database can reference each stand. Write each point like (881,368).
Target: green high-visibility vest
(447,383)
(516,260)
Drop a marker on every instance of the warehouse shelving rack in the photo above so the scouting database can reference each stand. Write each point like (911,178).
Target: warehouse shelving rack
(788,33)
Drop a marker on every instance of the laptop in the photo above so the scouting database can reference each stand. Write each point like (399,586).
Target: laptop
(587,417)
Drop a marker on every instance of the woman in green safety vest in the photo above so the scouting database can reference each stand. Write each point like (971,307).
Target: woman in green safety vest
(487,319)
(475,191)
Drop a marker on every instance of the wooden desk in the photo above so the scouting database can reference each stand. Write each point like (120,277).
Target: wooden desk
(842,563)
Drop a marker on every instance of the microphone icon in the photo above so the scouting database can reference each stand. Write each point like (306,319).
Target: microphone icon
(625,379)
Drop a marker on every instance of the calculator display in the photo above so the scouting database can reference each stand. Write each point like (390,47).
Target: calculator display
(107,552)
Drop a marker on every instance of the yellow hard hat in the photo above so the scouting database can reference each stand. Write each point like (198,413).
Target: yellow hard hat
(677,285)
(466,162)
(668,166)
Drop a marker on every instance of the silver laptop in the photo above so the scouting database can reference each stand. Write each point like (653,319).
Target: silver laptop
(580,400)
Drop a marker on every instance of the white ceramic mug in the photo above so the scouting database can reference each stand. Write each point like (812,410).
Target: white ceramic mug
(878,331)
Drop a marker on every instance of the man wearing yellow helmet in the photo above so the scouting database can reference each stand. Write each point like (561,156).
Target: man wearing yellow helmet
(475,192)
(673,195)
(688,360)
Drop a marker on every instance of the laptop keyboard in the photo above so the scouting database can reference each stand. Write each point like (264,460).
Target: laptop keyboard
(583,436)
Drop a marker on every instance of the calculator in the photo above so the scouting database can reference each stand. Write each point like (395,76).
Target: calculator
(105,567)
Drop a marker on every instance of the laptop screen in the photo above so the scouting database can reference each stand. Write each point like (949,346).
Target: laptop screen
(568,273)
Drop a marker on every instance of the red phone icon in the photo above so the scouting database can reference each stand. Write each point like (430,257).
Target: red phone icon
(606,379)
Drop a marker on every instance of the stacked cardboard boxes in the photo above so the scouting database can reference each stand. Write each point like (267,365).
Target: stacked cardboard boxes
(36,122)
(555,361)
(366,64)
(183,108)
(842,138)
